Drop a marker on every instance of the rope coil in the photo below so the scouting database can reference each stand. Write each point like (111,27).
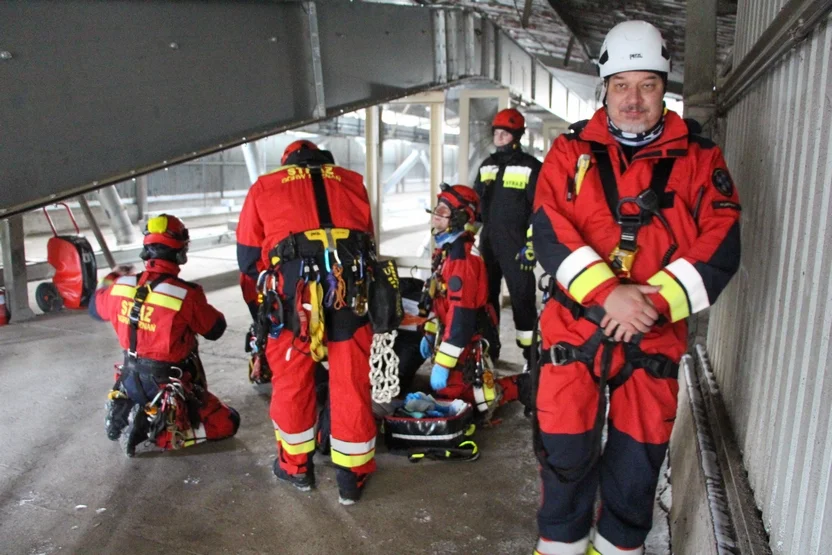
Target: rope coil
(384,367)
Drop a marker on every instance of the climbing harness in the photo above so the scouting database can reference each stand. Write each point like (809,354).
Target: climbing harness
(562,353)
(649,203)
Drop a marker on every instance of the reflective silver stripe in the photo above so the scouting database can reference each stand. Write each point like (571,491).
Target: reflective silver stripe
(450,350)
(479,397)
(545,547)
(171,290)
(687,275)
(430,438)
(489,173)
(602,545)
(352,448)
(574,264)
(295,439)
(127,280)
(524,335)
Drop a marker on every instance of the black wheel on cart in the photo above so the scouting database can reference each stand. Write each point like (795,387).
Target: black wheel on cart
(48,298)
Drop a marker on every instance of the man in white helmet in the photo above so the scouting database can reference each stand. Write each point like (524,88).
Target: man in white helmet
(637,221)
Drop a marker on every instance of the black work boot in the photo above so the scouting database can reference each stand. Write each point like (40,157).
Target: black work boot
(136,431)
(524,392)
(303,481)
(116,419)
(350,486)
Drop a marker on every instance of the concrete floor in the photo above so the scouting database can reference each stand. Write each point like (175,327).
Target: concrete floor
(64,488)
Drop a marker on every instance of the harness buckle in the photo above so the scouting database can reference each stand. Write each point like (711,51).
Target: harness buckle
(560,355)
(622,260)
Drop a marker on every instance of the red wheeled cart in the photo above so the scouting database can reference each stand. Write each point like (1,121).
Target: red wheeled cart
(75,270)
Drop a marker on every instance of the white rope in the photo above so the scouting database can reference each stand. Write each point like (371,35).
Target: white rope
(384,367)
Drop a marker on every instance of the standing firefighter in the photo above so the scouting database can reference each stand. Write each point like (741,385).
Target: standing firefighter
(637,220)
(160,393)
(458,294)
(309,224)
(506,185)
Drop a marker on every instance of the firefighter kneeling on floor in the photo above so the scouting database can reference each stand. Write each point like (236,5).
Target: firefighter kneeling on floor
(308,226)
(457,294)
(637,221)
(160,394)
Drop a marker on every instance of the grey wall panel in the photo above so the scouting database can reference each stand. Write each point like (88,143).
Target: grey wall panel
(515,66)
(542,86)
(95,89)
(770,333)
(385,56)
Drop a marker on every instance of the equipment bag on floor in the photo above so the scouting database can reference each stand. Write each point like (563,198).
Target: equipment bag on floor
(446,437)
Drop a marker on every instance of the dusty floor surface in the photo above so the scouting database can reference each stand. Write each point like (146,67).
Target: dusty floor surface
(64,488)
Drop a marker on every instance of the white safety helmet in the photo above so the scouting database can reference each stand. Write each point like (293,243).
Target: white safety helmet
(633,46)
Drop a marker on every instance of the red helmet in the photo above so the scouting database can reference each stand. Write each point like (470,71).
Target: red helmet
(463,202)
(166,230)
(296,146)
(511,120)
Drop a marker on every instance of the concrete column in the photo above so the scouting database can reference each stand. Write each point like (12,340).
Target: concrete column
(437,148)
(464,141)
(373,161)
(700,60)
(253,163)
(141,196)
(14,268)
(119,220)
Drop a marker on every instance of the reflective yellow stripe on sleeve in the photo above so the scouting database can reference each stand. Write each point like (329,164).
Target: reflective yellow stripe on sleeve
(156,299)
(589,279)
(675,295)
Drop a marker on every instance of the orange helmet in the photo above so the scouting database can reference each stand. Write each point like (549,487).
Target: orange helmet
(166,230)
(296,146)
(511,120)
(463,202)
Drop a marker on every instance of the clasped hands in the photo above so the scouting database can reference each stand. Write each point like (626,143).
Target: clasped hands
(629,311)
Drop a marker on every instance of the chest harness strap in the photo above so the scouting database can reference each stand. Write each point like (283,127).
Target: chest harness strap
(649,203)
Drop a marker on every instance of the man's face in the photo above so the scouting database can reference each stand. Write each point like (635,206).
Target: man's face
(502,137)
(441,218)
(634,100)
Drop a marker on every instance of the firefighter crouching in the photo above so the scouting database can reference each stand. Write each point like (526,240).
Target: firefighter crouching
(160,394)
(465,325)
(308,224)
(637,220)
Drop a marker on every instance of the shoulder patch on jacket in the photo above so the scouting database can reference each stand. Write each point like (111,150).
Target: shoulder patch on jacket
(455,284)
(722,182)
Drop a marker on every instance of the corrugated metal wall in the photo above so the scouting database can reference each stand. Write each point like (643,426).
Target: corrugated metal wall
(769,334)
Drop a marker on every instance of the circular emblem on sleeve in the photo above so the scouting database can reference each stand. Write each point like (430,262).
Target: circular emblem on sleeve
(722,182)
(455,283)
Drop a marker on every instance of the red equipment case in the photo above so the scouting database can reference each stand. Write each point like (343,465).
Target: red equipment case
(75,270)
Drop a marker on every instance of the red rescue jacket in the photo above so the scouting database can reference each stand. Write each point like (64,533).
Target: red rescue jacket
(282,203)
(461,295)
(173,313)
(575,231)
